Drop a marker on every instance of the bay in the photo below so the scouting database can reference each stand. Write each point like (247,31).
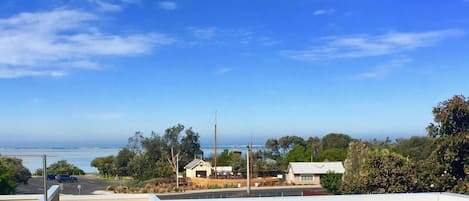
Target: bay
(82,156)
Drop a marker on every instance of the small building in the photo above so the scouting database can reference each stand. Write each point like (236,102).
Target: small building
(198,168)
(223,170)
(310,172)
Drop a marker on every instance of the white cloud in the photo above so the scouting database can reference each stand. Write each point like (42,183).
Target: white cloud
(219,36)
(105,6)
(51,43)
(222,71)
(168,5)
(113,5)
(15,73)
(383,69)
(324,12)
(369,45)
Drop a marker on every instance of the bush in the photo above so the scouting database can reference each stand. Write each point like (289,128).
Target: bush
(135,184)
(63,167)
(111,188)
(213,186)
(331,181)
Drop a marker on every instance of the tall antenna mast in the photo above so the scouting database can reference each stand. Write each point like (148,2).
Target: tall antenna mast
(215,147)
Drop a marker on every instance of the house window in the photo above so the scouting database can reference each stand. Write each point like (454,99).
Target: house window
(307,178)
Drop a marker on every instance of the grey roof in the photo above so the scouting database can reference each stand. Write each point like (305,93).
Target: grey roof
(194,163)
(316,167)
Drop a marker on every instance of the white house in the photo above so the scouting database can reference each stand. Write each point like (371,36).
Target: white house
(198,168)
(310,172)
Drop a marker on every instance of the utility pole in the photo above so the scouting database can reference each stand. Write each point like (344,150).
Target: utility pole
(248,175)
(44,174)
(215,147)
(177,171)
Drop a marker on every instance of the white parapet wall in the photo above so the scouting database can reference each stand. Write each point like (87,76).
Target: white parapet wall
(151,197)
(110,197)
(361,197)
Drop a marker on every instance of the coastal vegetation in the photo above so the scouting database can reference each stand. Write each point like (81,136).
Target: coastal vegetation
(12,172)
(61,167)
(152,157)
(437,162)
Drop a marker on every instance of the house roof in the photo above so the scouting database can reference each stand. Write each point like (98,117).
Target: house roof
(194,163)
(224,169)
(316,167)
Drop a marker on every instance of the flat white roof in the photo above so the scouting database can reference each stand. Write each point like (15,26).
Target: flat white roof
(316,167)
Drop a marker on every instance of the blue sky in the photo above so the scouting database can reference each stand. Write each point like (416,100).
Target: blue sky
(92,72)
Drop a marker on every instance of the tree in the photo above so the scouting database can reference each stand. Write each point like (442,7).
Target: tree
(353,164)
(135,143)
(284,143)
(190,147)
(7,183)
(121,162)
(171,138)
(451,133)
(63,167)
(296,140)
(15,166)
(386,172)
(333,154)
(297,154)
(380,172)
(104,165)
(273,145)
(12,172)
(224,158)
(335,140)
(416,148)
(150,157)
(331,181)
(287,142)
(155,147)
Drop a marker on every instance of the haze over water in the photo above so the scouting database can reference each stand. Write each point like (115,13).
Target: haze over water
(80,157)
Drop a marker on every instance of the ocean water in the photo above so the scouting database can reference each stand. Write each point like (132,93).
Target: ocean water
(81,157)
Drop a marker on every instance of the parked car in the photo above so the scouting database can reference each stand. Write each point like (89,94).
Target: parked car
(65,178)
(50,176)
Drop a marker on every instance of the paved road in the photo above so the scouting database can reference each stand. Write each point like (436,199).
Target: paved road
(88,183)
(230,193)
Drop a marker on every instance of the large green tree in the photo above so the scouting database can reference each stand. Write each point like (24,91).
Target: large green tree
(332,154)
(121,162)
(416,148)
(7,183)
(451,133)
(335,140)
(354,167)
(298,154)
(152,157)
(20,173)
(63,167)
(104,165)
(12,172)
(273,145)
(189,147)
(386,172)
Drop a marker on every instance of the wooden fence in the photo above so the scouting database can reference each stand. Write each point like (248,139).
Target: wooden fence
(232,183)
